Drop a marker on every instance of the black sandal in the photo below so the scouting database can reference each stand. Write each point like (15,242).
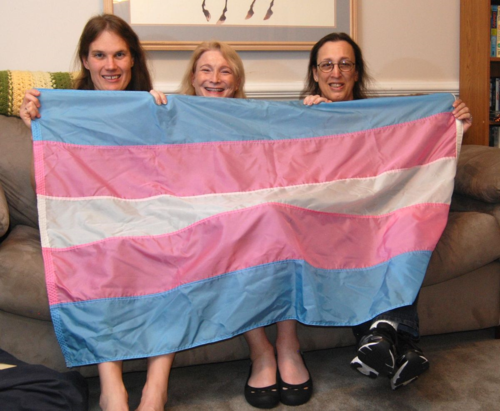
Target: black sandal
(295,394)
(265,397)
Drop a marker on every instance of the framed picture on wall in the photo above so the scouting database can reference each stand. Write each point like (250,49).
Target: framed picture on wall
(244,24)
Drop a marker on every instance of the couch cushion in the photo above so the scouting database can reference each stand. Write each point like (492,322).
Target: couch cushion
(469,241)
(461,202)
(478,173)
(468,302)
(22,277)
(15,170)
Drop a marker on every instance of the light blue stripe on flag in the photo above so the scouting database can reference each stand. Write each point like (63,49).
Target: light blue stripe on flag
(189,119)
(222,307)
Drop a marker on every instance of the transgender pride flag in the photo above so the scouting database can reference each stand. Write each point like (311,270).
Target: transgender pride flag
(168,227)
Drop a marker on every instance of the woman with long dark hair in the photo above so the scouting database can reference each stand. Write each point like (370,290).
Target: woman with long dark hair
(387,343)
(112,58)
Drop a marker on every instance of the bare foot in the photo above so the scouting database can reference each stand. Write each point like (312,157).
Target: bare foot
(292,368)
(116,402)
(153,398)
(263,370)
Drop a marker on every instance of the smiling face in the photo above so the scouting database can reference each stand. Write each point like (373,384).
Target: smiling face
(213,76)
(336,85)
(109,62)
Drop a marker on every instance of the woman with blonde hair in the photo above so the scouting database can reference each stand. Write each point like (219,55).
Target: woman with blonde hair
(217,59)
(216,70)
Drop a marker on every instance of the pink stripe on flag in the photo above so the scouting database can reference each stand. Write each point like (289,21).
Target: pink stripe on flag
(241,239)
(222,167)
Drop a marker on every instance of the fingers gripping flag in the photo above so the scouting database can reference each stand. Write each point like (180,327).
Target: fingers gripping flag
(168,227)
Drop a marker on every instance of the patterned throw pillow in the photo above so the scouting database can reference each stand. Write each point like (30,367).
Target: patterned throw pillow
(13,85)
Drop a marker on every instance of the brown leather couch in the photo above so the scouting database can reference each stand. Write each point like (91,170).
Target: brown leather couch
(461,290)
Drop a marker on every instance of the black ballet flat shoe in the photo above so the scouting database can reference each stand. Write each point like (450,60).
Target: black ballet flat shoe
(266,397)
(295,394)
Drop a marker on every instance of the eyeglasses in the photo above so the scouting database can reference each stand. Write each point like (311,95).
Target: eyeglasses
(344,65)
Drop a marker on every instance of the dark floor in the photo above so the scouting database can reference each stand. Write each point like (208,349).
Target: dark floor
(464,375)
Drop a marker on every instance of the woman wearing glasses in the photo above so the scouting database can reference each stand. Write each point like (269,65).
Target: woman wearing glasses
(336,71)
(386,344)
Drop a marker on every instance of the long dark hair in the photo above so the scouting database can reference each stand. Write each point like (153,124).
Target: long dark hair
(141,80)
(360,86)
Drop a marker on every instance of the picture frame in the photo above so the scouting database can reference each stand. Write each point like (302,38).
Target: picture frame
(300,33)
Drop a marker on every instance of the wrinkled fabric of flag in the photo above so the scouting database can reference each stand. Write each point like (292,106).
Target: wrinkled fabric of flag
(168,227)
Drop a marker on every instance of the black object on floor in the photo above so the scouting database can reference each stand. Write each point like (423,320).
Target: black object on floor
(27,387)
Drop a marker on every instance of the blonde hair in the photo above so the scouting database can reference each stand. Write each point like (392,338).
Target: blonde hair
(228,53)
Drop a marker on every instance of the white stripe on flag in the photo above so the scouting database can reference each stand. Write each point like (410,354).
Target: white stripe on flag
(80,221)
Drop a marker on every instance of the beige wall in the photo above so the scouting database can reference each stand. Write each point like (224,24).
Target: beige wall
(410,46)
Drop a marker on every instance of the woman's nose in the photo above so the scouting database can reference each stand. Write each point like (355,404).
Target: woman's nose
(215,76)
(110,63)
(336,71)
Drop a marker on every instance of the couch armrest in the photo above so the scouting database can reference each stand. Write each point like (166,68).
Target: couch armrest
(4,213)
(15,169)
(470,241)
(464,203)
(478,173)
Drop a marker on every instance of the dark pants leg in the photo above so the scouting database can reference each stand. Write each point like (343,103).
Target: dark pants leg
(406,317)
